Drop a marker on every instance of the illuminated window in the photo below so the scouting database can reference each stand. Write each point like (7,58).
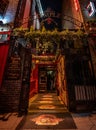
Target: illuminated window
(3,37)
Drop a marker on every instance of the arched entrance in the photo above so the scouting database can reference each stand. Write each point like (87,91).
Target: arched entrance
(43,74)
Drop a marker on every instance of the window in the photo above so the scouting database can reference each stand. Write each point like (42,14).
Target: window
(4,36)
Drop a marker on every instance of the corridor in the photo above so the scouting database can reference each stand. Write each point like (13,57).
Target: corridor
(46,111)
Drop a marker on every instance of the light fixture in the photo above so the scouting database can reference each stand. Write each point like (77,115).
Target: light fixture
(91,9)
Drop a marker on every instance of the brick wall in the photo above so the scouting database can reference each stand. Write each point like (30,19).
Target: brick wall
(14,93)
(9,95)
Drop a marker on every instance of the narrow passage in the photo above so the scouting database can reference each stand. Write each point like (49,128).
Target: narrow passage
(46,111)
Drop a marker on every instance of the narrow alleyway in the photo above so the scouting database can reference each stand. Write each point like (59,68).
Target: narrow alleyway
(46,111)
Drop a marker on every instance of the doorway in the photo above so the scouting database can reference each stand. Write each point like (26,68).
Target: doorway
(47,79)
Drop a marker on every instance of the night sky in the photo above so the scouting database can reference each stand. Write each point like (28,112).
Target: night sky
(53,4)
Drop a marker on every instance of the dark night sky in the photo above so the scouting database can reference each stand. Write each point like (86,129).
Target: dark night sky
(54,4)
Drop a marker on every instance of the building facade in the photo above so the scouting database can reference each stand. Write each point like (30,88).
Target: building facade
(44,56)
